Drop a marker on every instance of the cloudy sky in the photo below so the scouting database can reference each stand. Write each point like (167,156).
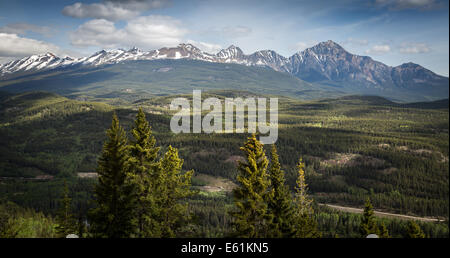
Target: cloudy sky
(390,31)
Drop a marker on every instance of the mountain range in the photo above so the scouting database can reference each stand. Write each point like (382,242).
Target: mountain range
(327,65)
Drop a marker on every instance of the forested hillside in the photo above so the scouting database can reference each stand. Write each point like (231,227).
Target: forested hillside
(353,148)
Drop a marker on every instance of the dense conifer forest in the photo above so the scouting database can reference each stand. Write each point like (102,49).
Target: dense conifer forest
(57,170)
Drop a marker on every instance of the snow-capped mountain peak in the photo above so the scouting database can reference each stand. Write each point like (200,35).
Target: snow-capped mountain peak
(231,54)
(31,63)
(269,58)
(324,61)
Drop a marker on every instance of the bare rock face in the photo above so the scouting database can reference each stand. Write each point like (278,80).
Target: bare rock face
(271,59)
(411,75)
(328,61)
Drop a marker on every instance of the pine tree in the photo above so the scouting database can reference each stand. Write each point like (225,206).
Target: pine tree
(305,224)
(174,186)
(384,233)
(280,201)
(368,224)
(251,218)
(304,204)
(113,215)
(142,148)
(143,175)
(414,231)
(66,223)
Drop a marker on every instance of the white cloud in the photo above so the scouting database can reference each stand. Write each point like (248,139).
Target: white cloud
(15,46)
(97,32)
(414,48)
(99,11)
(112,10)
(378,50)
(236,31)
(206,47)
(406,4)
(23,28)
(358,42)
(300,46)
(147,32)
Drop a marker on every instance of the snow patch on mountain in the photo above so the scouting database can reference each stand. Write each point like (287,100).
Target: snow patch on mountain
(324,61)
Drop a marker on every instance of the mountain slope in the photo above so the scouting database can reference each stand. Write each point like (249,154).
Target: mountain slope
(326,65)
(143,78)
(329,62)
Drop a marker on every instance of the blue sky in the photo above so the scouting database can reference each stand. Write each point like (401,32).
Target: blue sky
(390,31)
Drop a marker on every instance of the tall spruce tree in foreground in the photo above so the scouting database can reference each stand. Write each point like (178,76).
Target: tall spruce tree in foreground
(173,186)
(414,231)
(113,215)
(66,223)
(280,202)
(251,219)
(143,176)
(368,224)
(305,224)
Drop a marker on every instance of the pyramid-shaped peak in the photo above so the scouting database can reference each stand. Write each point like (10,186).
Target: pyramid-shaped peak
(267,53)
(329,44)
(235,49)
(328,47)
(410,64)
(230,52)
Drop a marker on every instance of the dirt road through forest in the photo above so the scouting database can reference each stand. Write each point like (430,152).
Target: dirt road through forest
(380,214)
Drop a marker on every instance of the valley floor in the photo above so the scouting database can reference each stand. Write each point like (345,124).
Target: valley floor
(382,214)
